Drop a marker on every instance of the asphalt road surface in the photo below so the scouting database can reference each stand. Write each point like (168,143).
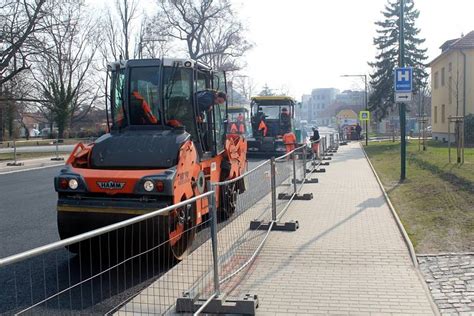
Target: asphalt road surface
(28,220)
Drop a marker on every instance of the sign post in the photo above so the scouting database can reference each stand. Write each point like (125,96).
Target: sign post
(403,84)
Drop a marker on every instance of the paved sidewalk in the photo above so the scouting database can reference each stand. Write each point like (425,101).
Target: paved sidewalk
(348,257)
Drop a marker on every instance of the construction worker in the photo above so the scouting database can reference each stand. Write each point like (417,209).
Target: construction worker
(233,128)
(315,139)
(147,115)
(262,128)
(240,123)
(289,139)
(285,121)
(206,99)
(242,128)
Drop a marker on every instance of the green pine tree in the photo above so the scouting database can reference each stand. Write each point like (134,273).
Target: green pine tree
(387,42)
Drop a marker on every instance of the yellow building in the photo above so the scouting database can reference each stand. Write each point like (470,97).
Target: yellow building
(452,84)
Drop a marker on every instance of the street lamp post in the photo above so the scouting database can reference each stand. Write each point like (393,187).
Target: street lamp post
(366,105)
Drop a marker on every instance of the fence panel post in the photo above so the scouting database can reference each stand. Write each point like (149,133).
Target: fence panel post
(293,157)
(304,162)
(273,188)
(213,209)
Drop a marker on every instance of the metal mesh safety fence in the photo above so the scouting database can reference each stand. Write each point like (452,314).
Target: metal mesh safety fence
(95,272)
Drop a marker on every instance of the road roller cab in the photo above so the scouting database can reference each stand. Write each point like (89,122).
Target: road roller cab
(165,142)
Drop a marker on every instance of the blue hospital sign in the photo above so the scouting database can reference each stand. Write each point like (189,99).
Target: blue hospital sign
(403,79)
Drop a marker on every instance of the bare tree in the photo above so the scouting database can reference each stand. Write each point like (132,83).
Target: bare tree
(20,21)
(117,30)
(209,28)
(224,44)
(151,44)
(20,90)
(244,85)
(64,74)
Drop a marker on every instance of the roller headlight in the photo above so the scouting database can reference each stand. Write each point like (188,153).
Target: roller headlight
(73,184)
(148,185)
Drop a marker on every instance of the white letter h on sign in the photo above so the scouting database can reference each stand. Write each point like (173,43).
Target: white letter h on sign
(403,75)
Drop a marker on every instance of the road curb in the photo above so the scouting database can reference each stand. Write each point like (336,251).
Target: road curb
(445,254)
(406,239)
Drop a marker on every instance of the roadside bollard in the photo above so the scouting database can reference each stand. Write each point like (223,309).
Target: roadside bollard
(57,158)
(15,162)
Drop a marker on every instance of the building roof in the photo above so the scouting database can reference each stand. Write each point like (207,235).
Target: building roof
(465,42)
(273,98)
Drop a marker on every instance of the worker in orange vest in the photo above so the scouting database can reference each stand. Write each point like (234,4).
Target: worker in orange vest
(148,115)
(242,128)
(289,139)
(233,128)
(240,123)
(263,127)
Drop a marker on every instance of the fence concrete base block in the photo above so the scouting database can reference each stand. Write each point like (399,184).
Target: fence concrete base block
(313,180)
(302,197)
(324,163)
(327,158)
(343,143)
(245,305)
(320,170)
(290,226)
(14,164)
(330,154)
(57,158)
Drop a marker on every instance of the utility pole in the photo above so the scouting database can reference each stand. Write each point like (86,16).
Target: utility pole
(402,105)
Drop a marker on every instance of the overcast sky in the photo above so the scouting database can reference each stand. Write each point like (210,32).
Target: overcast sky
(306,44)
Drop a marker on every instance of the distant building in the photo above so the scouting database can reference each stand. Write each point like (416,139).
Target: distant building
(354,100)
(452,79)
(302,112)
(321,99)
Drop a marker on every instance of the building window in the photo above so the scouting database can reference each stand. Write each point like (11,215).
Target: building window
(442,77)
(436,79)
(435,114)
(450,67)
(450,88)
(443,113)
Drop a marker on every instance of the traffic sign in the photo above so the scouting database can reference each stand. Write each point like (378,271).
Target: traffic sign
(404,79)
(364,116)
(403,96)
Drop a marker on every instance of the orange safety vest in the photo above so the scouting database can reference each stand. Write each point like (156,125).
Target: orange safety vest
(146,108)
(263,126)
(242,128)
(289,139)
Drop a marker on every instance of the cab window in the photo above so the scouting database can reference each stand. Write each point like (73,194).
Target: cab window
(117,107)
(177,94)
(144,102)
